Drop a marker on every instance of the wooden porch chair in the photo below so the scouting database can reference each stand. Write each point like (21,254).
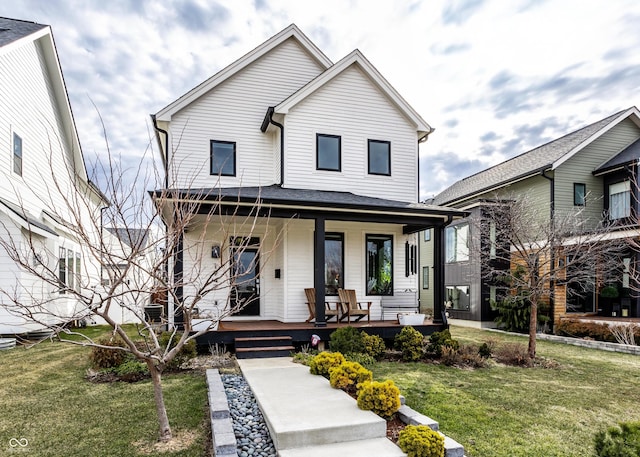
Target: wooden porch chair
(352,307)
(311,304)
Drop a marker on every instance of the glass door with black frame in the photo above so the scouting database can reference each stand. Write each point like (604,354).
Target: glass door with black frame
(245,294)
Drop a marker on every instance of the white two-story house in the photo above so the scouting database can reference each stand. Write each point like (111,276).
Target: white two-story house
(41,172)
(329,153)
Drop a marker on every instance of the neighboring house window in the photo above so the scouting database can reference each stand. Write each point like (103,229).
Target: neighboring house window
(492,239)
(333,263)
(69,270)
(223,158)
(62,269)
(579,194)
(458,297)
(427,235)
(379,265)
(425,277)
(379,157)
(17,154)
(328,152)
(457,246)
(620,200)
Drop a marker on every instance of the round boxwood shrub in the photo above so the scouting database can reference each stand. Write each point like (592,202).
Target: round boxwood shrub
(409,341)
(106,356)
(321,363)
(346,340)
(438,340)
(620,441)
(421,441)
(348,375)
(383,398)
(373,345)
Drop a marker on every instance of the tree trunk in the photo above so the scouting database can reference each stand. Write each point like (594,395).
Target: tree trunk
(533,327)
(161,410)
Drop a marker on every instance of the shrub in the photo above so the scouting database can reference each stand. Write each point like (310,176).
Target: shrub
(346,339)
(578,329)
(132,370)
(187,352)
(409,341)
(465,356)
(383,398)
(421,441)
(106,357)
(485,350)
(373,345)
(620,441)
(438,340)
(348,375)
(362,359)
(513,354)
(321,363)
(303,358)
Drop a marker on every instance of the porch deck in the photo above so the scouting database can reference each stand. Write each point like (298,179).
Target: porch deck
(301,332)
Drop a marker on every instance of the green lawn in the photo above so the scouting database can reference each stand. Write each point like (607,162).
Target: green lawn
(509,412)
(46,400)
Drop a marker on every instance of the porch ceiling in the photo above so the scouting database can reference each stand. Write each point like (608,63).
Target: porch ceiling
(275,201)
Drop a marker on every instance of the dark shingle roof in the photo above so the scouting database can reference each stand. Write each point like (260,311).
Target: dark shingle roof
(311,197)
(14,29)
(629,154)
(521,166)
(130,236)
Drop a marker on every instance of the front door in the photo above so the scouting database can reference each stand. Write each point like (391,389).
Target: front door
(245,294)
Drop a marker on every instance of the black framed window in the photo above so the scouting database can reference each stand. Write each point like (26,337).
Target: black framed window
(17,154)
(333,263)
(457,243)
(579,193)
(425,277)
(328,152)
(379,157)
(223,158)
(379,264)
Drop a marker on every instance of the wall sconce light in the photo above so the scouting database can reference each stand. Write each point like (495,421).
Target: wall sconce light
(278,273)
(215,252)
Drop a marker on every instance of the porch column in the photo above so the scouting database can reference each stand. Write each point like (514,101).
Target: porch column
(318,270)
(438,274)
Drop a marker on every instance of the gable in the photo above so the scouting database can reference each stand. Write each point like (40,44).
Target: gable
(291,32)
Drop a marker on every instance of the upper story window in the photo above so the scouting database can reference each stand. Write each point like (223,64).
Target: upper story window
(223,158)
(620,200)
(328,152)
(579,194)
(17,154)
(379,157)
(457,243)
(427,235)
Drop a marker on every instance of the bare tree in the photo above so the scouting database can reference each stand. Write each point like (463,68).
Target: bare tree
(117,271)
(533,259)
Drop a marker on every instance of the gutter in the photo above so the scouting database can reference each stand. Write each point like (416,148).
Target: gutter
(164,156)
(268,119)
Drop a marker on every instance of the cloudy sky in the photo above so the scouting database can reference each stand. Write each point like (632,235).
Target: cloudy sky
(494,77)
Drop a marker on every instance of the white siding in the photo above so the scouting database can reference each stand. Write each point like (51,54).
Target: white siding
(353,107)
(234,111)
(30,109)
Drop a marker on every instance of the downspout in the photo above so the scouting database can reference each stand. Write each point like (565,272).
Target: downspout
(264,126)
(552,210)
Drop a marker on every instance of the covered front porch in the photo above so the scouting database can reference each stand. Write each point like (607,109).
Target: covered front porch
(295,239)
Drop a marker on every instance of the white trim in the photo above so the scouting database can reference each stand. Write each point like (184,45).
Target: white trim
(291,31)
(356,58)
(633,110)
(45,30)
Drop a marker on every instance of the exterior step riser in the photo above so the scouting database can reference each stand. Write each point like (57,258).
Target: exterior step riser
(263,343)
(263,354)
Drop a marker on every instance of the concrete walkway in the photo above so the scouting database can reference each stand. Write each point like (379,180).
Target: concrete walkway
(307,417)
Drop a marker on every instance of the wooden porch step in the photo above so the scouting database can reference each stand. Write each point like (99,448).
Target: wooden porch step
(263,352)
(263,347)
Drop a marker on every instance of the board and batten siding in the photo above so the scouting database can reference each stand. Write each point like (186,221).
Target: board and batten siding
(234,111)
(579,168)
(352,107)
